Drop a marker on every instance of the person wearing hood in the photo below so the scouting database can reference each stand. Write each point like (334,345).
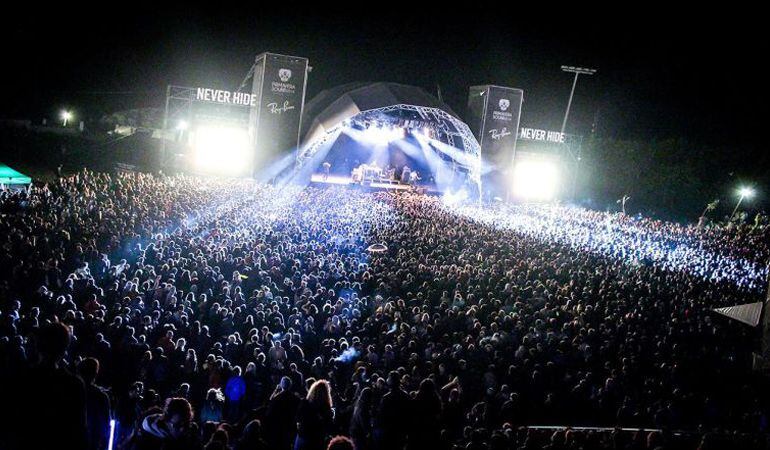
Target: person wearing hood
(171,429)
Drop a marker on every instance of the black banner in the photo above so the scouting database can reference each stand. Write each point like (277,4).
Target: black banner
(279,84)
(494,118)
(501,125)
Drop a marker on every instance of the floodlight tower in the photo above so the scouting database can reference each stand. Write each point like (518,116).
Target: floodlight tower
(577,71)
(65,117)
(744,192)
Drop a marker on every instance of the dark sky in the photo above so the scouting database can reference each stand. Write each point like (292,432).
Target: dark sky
(660,74)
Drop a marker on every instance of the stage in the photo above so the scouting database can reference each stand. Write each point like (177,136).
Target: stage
(317,180)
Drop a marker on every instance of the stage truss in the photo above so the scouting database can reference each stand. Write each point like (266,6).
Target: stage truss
(179,101)
(455,131)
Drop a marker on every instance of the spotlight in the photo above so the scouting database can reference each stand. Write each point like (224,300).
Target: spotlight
(66,116)
(182,125)
(384,133)
(535,180)
(746,192)
(454,198)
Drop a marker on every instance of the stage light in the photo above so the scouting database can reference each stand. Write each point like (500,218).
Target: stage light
(221,150)
(111,442)
(383,134)
(746,192)
(182,125)
(454,198)
(536,180)
(66,116)
(743,192)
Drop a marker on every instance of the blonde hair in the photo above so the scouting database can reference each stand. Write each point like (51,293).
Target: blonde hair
(320,394)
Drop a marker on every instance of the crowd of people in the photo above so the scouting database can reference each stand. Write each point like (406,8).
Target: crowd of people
(148,311)
(717,252)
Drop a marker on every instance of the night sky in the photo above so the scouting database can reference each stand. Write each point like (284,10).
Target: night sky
(659,75)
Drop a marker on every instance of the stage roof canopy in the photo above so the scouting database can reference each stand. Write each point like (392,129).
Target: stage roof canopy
(332,110)
(11,176)
(332,106)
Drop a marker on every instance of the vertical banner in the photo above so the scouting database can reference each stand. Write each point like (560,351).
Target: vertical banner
(501,125)
(279,86)
(494,118)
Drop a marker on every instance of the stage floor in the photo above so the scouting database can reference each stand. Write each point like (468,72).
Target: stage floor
(336,180)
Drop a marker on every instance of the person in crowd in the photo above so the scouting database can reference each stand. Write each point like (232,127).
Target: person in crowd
(281,415)
(425,410)
(251,438)
(361,421)
(341,443)
(128,411)
(213,406)
(219,440)
(393,418)
(51,400)
(98,409)
(315,417)
(170,429)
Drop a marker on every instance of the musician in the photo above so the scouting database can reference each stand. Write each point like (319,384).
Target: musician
(362,172)
(374,171)
(391,172)
(405,173)
(327,168)
(414,177)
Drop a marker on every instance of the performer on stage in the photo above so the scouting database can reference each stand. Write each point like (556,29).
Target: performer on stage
(414,177)
(363,170)
(405,172)
(373,172)
(326,167)
(391,172)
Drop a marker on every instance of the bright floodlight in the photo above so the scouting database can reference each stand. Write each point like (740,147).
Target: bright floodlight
(454,198)
(381,135)
(65,117)
(182,125)
(746,192)
(535,180)
(221,150)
